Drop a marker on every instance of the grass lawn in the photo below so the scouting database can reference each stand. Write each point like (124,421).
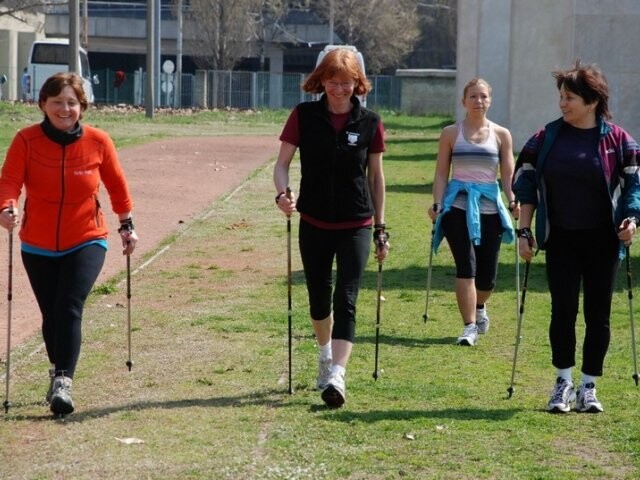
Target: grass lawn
(207,394)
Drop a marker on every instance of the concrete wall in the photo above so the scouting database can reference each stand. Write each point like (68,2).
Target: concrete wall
(16,37)
(516,44)
(425,91)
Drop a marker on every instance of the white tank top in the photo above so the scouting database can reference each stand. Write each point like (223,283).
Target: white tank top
(475,163)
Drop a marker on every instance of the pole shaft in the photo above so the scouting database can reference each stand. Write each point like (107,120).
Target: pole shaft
(378,300)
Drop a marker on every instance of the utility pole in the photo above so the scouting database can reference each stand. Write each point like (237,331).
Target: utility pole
(331,13)
(85,24)
(74,47)
(149,98)
(178,86)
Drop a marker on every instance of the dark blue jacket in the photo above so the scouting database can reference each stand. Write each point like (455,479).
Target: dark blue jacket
(618,153)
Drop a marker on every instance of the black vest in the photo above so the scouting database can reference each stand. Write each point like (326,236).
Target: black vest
(334,186)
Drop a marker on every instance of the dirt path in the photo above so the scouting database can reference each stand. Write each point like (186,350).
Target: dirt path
(171,182)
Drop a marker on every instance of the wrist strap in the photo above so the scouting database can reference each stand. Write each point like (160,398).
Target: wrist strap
(126,225)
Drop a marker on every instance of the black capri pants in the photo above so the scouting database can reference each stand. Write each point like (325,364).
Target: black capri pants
(474,261)
(61,285)
(350,248)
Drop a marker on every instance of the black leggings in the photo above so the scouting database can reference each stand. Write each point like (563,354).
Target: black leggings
(474,261)
(351,248)
(61,286)
(589,257)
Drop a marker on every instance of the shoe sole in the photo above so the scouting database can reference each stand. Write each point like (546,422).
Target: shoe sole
(466,343)
(591,409)
(558,410)
(332,397)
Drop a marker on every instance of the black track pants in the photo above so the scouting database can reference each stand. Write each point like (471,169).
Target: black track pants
(61,286)
(590,258)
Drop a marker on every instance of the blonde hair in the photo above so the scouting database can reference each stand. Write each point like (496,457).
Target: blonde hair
(340,61)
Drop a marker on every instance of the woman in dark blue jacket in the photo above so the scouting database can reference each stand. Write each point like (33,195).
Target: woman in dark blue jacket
(580,175)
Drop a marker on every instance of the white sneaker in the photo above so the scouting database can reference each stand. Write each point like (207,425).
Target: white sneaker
(61,402)
(482,321)
(587,401)
(469,335)
(562,396)
(324,371)
(334,394)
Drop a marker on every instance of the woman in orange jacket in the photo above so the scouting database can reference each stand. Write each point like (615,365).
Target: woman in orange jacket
(63,234)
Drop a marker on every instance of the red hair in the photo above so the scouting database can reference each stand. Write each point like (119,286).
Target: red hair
(342,62)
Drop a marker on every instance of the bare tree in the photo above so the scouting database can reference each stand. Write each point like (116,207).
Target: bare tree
(19,8)
(224,31)
(384,30)
(436,47)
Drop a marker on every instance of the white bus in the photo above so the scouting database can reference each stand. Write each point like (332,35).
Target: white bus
(51,56)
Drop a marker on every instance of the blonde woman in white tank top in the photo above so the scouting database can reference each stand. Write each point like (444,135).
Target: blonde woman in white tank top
(473,152)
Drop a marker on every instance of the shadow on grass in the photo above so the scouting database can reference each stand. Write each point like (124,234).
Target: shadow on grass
(373,416)
(273,398)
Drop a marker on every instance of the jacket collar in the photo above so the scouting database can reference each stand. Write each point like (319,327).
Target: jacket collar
(58,136)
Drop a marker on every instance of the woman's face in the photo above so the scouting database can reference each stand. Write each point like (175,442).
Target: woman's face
(477,99)
(63,110)
(574,109)
(339,87)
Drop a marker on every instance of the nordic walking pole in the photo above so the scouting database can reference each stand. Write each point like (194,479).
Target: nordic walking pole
(129,362)
(425,317)
(381,241)
(529,238)
(379,290)
(511,389)
(633,328)
(289,280)
(7,403)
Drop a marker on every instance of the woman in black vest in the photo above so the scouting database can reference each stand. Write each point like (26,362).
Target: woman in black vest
(341,197)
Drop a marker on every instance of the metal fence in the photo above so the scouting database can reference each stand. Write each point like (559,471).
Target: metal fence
(228,89)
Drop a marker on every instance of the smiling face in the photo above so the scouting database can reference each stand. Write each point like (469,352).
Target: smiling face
(575,111)
(339,89)
(63,110)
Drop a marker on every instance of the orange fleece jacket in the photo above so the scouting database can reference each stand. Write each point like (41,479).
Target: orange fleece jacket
(61,208)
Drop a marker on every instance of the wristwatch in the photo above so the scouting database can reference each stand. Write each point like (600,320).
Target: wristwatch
(279,195)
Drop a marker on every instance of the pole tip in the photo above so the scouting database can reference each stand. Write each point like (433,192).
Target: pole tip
(636,377)
(6,405)
(375,375)
(510,391)
(425,317)
(129,364)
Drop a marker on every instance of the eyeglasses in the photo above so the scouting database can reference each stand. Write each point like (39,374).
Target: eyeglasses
(343,85)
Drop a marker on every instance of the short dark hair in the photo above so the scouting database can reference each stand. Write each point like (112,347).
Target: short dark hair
(588,82)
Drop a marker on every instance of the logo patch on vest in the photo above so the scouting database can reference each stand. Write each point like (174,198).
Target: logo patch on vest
(352,138)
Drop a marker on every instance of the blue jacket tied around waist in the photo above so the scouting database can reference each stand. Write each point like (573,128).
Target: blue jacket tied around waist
(474,191)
